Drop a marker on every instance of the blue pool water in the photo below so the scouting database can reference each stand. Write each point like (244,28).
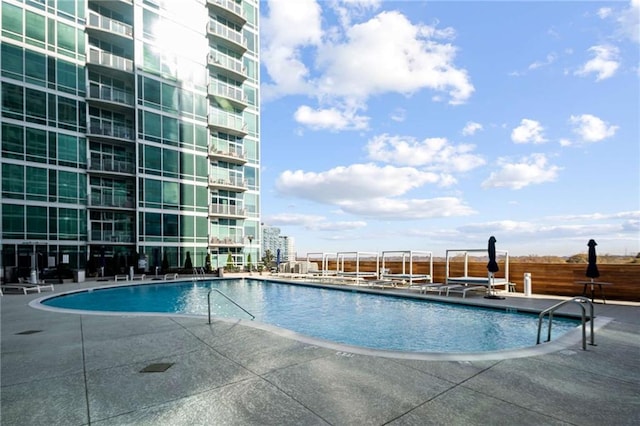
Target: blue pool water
(348,317)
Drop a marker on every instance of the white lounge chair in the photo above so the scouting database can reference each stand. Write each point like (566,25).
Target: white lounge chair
(464,289)
(24,287)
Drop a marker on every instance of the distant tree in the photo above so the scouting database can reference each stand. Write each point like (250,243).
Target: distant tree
(267,259)
(207,263)
(577,258)
(229,261)
(165,262)
(187,262)
(249,266)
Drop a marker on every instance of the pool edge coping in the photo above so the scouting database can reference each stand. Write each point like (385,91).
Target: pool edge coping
(563,342)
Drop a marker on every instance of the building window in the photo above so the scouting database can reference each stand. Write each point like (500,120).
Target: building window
(12,221)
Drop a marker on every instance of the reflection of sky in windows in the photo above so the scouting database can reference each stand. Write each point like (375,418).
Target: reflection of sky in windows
(179,41)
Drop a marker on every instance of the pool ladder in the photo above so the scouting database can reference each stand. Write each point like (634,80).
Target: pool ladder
(581,301)
(198,273)
(226,297)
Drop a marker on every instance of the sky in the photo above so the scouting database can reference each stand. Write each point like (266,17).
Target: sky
(420,125)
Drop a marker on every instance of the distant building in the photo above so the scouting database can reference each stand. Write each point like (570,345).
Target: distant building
(270,239)
(289,248)
(273,241)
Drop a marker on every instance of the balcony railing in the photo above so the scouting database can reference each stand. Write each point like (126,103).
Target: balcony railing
(231,7)
(110,200)
(220,30)
(111,236)
(228,182)
(225,90)
(226,62)
(236,156)
(226,241)
(107,24)
(228,122)
(100,57)
(226,210)
(109,165)
(112,130)
(111,94)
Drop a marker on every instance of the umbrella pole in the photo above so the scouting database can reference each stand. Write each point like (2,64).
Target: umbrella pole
(492,294)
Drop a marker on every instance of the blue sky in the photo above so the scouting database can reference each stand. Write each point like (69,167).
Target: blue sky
(417,125)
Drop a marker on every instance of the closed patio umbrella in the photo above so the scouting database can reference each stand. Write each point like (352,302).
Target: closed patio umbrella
(592,267)
(492,267)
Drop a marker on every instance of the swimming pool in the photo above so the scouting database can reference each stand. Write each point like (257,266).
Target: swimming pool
(347,317)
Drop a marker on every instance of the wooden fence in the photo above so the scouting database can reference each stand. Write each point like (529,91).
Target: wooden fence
(557,279)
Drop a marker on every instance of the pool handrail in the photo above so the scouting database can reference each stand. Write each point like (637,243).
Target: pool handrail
(580,300)
(229,299)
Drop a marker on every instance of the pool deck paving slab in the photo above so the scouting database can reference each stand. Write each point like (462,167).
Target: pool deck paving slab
(86,370)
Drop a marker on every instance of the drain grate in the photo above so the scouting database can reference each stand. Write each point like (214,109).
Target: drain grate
(157,368)
(29,332)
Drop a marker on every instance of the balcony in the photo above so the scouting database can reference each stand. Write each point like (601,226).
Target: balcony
(107,237)
(110,131)
(226,241)
(228,66)
(234,94)
(229,155)
(108,165)
(227,36)
(110,96)
(110,201)
(229,9)
(227,123)
(109,60)
(226,210)
(108,25)
(229,183)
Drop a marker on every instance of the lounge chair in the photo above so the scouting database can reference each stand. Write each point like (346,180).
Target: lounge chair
(25,287)
(464,289)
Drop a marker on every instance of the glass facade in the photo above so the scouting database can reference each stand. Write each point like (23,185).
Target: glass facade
(130,131)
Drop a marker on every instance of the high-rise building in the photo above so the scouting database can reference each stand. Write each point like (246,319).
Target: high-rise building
(130,134)
(274,242)
(289,248)
(270,239)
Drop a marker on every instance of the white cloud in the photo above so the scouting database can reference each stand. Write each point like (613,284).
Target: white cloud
(399,209)
(399,115)
(390,54)
(287,28)
(356,182)
(604,12)
(551,58)
(313,222)
(330,119)
(591,128)
(370,190)
(529,131)
(629,21)
(528,171)
(604,63)
(435,154)
(347,10)
(471,128)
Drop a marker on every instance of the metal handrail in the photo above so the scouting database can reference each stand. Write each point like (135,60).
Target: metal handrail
(580,300)
(229,299)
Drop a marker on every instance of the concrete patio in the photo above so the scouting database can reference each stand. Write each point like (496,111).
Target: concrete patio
(71,369)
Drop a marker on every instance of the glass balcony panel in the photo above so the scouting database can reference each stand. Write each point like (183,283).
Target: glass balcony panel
(107,24)
(100,57)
